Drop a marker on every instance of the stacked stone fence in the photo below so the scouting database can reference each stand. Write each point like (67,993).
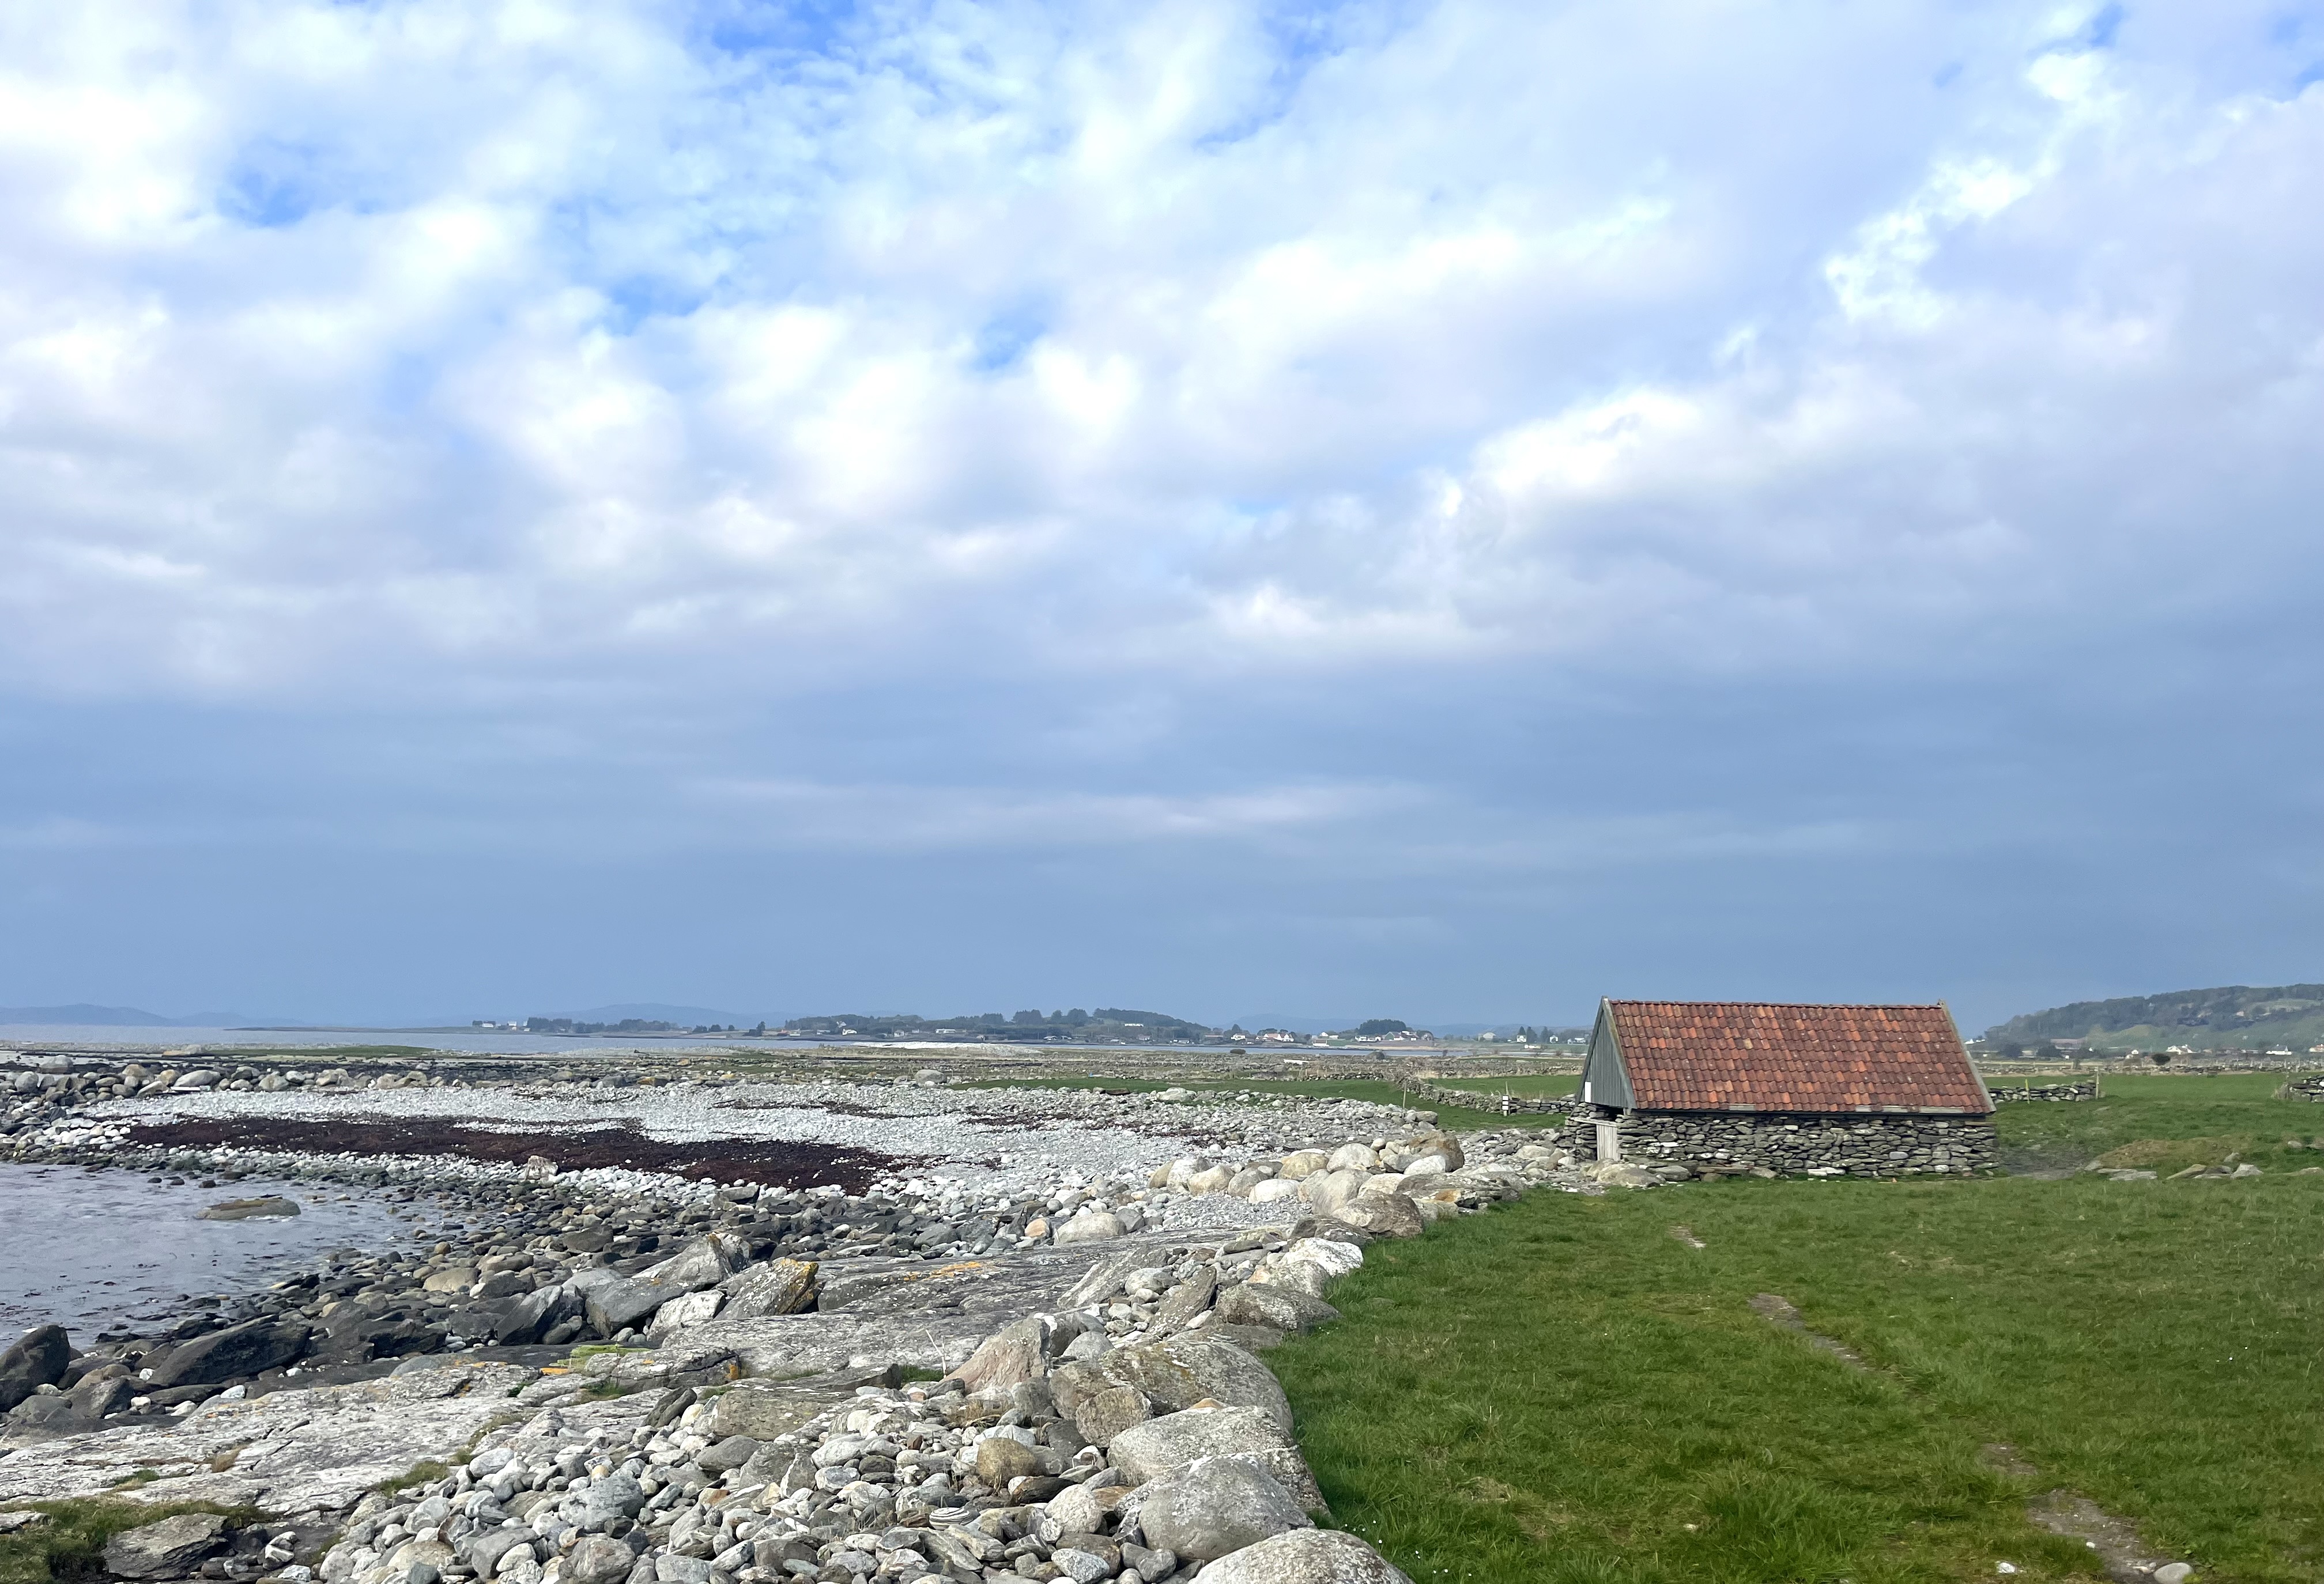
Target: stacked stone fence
(2088,1089)
(2308,1088)
(1856,1145)
(1508,1105)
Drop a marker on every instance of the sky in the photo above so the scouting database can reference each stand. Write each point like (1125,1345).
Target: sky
(1438,510)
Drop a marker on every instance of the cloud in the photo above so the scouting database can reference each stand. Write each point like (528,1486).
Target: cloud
(507,337)
(1321,437)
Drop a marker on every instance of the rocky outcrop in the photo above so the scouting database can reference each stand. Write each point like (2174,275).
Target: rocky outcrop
(37,1358)
(167,1549)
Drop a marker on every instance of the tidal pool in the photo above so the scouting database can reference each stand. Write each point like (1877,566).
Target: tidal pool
(91,1249)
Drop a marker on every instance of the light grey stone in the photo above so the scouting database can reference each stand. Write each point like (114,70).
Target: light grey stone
(164,1550)
(1176,1373)
(693,1309)
(1015,1354)
(1328,1190)
(1282,1307)
(725,1456)
(1306,1556)
(703,1263)
(779,1286)
(1081,1566)
(1103,1416)
(1166,1445)
(1384,1215)
(1217,1506)
(597,1560)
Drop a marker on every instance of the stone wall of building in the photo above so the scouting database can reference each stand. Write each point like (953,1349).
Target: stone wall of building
(2088,1089)
(1858,1145)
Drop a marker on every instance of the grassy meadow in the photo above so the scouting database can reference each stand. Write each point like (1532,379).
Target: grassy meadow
(1567,1390)
(2165,1123)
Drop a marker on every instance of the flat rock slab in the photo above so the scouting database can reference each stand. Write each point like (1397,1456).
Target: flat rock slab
(287,1451)
(243,1210)
(914,1311)
(1777,1310)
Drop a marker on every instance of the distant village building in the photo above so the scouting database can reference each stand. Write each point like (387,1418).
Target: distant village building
(1744,1086)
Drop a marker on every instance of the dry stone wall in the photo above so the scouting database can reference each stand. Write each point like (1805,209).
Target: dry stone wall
(2088,1089)
(1710,1143)
(1474,1100)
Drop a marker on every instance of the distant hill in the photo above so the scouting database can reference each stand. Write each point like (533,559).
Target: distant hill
(2235,1017)
(83,1013)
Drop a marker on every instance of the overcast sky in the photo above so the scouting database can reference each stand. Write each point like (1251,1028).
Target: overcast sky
(1443,511)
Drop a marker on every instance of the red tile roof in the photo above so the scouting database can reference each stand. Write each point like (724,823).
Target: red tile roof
(1744,1055)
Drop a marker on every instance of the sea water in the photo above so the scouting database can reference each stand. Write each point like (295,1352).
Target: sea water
(90,1249)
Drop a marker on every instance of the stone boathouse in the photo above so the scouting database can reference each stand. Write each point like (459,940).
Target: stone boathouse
(1747,1086)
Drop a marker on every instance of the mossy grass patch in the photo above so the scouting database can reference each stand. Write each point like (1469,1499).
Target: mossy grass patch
(71,1544)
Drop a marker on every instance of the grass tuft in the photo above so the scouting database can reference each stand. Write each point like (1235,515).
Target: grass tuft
(71,1544)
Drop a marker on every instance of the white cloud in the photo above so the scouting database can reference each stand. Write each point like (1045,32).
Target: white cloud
(352,349)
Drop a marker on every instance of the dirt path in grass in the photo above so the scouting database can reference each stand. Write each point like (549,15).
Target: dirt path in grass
(2126,1557)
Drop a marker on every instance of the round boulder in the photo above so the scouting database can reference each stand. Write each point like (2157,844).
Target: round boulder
(1219,1505)
(1306,1556)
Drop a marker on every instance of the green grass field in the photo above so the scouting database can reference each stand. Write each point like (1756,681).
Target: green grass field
(1562,1390)
(2165,1123)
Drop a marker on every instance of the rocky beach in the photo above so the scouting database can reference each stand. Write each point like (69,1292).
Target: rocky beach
(665,1322)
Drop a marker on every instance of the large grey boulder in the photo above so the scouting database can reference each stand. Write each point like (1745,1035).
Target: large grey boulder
(1218,1506)
(598,1561)
(1328,1190)
(1015,1354)
(1383,1215)
(1176,1440)
(83,1408)
(616,1304)
(1188,1299)
(165,1549)
(1176,1373)
(483,1550)
(39,1358)
(1091,1226)
(1103,1416)
(1306,1556)
(595,1508)
(779,1286)
(521,1320)
(236,1351)
(704,1262)
(727,1455)
(1282,1307)
(688,1309)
